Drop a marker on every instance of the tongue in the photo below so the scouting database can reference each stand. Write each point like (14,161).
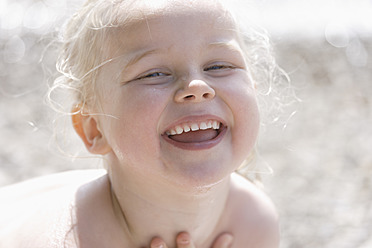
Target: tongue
(195,136)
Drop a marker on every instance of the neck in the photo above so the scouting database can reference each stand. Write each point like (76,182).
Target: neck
(162,210)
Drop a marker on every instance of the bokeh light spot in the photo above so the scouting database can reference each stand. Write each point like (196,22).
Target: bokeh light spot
(36,16)
(337,34)
(14,50)
(12,16)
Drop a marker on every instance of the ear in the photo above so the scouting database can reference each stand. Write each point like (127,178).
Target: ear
(86,126)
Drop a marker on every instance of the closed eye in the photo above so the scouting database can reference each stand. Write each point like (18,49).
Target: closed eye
(218,67)
(152,75)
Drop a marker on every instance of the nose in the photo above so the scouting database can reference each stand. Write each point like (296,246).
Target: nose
(195,91)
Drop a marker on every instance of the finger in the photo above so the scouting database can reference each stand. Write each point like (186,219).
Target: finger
(223,241)
(183,240)
(157,243)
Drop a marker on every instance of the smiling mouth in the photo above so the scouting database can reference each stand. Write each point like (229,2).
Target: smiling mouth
(195,132)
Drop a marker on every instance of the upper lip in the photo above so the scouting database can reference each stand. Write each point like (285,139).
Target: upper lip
(194,119)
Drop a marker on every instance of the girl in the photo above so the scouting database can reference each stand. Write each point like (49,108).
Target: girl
(165,93)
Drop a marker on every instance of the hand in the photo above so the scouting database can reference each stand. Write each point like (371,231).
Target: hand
(183,240)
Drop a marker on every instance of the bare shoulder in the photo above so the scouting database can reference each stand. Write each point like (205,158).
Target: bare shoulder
(253,217)
(37,212)
(250,196)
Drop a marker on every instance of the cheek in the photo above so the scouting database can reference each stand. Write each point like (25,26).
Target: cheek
(144,106)
(246,120)
(134,130)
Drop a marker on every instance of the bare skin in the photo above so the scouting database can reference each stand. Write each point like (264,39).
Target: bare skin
(179,181)
(75,209)
(56,226)
(179,116)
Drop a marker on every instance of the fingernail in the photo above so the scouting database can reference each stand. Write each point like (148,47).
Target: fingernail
(157,245)
(184,242)
(183,239)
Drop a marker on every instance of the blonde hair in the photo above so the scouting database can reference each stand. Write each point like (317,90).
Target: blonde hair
(86,34)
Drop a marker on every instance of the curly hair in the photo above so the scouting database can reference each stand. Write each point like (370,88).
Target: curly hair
(87,34)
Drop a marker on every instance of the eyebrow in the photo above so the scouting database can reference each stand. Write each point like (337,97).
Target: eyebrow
(221,44)
(137,55)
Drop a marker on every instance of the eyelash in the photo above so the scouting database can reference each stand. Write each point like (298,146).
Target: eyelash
(219,67)
(162,74)
(152,75)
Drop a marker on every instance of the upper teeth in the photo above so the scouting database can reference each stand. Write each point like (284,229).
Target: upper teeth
(187,127)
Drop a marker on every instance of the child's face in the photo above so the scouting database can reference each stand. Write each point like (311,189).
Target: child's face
(186,70)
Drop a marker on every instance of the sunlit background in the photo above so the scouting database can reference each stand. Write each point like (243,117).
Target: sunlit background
(321,156)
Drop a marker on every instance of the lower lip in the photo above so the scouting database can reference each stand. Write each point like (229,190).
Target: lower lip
(198,145)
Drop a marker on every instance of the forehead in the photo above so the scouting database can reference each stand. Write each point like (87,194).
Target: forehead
(150,20)
(145,10)
(174,7)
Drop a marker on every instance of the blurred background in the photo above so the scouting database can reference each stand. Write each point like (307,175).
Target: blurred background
(320,156)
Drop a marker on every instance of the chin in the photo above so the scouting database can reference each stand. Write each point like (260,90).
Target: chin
(202,176)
